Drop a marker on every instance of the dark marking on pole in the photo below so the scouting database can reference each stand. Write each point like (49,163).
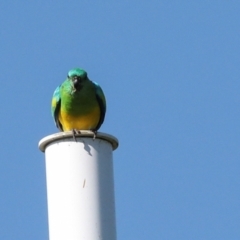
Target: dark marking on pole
(84,183)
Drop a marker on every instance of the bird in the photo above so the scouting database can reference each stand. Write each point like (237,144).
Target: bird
(78,104)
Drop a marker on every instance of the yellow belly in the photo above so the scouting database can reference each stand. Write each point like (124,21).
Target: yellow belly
(83,122)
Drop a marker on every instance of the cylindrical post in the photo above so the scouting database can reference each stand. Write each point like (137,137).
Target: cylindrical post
(80,187)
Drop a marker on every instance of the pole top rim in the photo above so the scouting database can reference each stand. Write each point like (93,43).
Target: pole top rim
(84,133)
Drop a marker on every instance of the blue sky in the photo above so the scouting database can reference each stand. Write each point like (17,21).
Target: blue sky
(170,73)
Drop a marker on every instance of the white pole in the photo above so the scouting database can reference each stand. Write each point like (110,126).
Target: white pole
(80,187)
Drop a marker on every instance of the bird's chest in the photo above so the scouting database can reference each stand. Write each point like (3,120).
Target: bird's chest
(79,103)
(79,112)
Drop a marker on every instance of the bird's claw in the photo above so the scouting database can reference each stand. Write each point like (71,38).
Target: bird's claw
(94,134)
(75,132)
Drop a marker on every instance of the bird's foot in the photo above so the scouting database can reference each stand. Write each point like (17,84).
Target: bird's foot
(75,132)
(94,134)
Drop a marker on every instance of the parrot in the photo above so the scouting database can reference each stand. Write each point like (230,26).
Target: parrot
(78,104)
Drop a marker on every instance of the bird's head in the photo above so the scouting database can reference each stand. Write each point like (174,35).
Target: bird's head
(77,77)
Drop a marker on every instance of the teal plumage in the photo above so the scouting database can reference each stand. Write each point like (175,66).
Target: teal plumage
(78,103)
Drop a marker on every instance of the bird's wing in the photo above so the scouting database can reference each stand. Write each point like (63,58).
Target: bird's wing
(102,104)
(56,104)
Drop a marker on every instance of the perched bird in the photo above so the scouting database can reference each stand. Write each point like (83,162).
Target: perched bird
(78,103)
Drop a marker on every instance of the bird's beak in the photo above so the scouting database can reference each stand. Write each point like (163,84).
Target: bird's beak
(77,83)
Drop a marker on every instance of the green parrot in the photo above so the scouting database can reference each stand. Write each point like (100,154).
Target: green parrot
(78,103)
